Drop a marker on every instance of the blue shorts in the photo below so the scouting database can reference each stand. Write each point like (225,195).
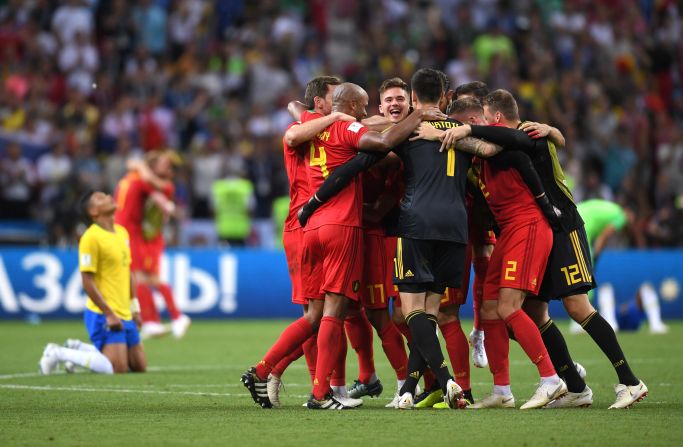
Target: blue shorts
(629,319)
(100,335)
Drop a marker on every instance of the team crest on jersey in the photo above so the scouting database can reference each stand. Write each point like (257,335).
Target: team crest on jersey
(356,285)
(355,127)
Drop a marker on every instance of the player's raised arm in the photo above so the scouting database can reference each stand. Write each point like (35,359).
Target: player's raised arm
(146,174)
(300,133)
(378,122)
(540,130)
(296,108)
(458,137)
(383,142)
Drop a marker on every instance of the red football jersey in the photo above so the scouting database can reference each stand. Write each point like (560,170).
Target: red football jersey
(330,149)
(507,195)
(131,197)
(295,165)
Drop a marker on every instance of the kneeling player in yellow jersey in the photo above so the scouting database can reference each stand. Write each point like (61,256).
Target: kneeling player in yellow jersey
(112,314)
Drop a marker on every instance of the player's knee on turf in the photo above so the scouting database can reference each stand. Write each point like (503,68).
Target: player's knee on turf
(578,307)
(137,360)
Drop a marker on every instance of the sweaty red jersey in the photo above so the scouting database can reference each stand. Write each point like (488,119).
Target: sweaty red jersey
(507,195)
(330,149)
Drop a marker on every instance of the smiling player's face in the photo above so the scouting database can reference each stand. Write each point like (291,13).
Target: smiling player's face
(394,104)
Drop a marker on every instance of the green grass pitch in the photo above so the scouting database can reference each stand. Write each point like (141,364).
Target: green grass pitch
(192,396)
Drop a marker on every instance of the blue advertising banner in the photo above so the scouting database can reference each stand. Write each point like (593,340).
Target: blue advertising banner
(212,283)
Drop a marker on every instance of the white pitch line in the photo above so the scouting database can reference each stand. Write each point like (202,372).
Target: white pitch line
(123,390)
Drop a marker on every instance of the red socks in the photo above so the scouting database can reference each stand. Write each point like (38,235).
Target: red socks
(338,377)
(359,331)
(395,350)
(167,293)
(458,352)
(481,265)
(529,338)
(310,348)
(148,311)
(291,338)
(329,339)
(497,345)
(282,365)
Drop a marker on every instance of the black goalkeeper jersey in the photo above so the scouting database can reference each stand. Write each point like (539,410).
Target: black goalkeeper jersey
(433,206)
(543,155)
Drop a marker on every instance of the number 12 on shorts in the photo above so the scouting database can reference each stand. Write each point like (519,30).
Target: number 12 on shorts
(572,274)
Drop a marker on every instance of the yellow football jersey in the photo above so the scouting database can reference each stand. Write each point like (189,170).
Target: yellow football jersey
(107,256)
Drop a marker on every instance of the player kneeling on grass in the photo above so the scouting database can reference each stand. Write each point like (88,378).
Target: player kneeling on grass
(112,314)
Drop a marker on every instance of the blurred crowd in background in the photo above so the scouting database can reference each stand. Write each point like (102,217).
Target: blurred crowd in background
(85,84)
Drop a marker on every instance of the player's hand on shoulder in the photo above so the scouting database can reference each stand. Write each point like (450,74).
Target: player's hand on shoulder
(535,130)
(450,136)
(426,131)
(432,114)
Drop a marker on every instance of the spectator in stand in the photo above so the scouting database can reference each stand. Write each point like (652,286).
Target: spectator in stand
(17,178)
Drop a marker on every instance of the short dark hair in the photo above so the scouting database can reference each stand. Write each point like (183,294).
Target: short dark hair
(427,84)
(463,105)
(318,87)
(477,89)
(502,101)
(391,83)
(445,80)
(84,207)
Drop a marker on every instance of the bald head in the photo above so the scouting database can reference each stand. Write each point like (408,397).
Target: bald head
(351,99)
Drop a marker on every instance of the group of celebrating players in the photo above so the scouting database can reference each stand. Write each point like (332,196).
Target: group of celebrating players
(401,205)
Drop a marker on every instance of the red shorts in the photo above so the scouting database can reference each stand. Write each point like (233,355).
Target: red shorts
(453,296)
(293,242)
(332,261)
(146,254)
(519,259)
(374,294)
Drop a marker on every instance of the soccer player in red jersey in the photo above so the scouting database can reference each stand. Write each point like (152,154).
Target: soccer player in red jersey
(145,199)
(333,235)
(516,270)
(299,338)
(318,97)
(379,198)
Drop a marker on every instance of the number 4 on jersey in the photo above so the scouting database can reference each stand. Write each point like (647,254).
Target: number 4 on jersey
(320,160)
